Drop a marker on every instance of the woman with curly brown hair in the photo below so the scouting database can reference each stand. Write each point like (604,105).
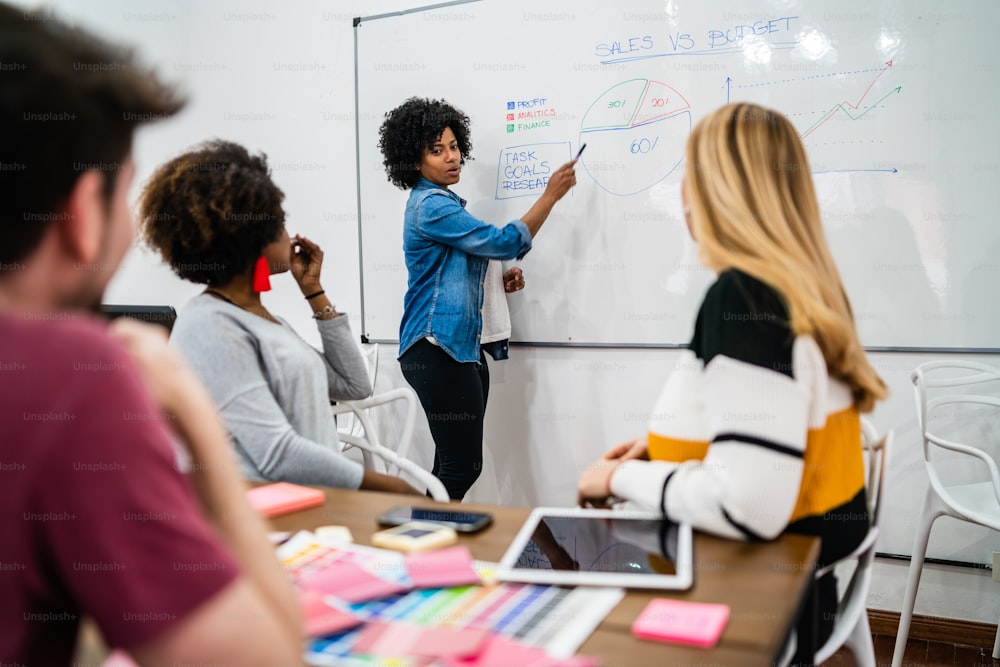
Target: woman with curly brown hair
(215,216)
(450,291)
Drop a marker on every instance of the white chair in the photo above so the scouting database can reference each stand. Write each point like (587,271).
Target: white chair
(348,421)
(851,627)
(356,428)
(976,502)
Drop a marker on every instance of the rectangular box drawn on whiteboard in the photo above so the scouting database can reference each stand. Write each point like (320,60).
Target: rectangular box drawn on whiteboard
(523,171)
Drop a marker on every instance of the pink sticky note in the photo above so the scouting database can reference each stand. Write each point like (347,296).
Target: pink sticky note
(398,639)
(380,639)
(696,623)
(450,642)
(321,619)
(281,498)
(444,567)
(502,651)
(349,582)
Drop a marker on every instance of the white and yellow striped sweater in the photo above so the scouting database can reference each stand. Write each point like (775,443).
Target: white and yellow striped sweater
(750,437)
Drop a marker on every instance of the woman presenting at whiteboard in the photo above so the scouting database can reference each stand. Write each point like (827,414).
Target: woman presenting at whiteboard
(450,290)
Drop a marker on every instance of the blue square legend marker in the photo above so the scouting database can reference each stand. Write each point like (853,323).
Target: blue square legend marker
(510,105)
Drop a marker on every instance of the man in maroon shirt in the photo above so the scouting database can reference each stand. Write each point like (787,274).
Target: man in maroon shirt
(95,519)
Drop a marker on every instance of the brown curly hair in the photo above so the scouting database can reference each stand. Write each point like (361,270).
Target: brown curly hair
(210,211)
(96,109)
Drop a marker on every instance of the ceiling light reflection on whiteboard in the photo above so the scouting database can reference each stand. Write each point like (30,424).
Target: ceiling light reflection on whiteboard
(814,45)
(756,50)
(889,43)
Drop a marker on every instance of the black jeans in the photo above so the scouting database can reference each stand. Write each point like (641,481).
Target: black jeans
(453,395)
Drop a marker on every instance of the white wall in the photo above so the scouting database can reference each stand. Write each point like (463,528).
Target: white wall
(278,77)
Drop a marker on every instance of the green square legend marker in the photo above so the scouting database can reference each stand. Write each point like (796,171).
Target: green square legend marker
(510,128)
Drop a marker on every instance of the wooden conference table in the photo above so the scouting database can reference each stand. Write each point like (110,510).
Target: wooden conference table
(765,585)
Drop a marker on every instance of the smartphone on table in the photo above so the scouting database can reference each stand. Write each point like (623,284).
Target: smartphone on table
(463,521)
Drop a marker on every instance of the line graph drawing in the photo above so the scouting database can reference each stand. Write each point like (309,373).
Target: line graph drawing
(847,107)
(854,111)
(850,108)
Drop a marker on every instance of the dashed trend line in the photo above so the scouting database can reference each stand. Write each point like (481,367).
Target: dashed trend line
(807,78)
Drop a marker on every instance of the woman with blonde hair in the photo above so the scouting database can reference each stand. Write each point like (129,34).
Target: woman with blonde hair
(757,433)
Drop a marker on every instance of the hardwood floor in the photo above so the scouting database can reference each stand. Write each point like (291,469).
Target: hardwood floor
(920,653)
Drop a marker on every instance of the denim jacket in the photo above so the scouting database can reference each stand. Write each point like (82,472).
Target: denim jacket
(447,251)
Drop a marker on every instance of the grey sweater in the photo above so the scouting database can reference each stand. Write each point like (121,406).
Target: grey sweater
(274,389)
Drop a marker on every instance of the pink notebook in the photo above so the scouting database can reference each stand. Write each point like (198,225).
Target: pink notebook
(282,498)
(696,623)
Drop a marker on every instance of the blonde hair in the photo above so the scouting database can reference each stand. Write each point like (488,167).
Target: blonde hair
(753,208)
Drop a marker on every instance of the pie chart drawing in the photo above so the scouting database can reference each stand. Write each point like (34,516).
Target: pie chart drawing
(635,134)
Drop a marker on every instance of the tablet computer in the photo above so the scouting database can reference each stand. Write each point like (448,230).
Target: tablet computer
(580,547)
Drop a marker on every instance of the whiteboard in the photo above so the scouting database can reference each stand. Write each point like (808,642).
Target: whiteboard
(895,100)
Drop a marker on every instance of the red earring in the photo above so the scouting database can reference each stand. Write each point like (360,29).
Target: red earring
(261,276)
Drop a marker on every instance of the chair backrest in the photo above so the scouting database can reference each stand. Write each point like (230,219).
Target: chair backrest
(352,422)
(370,352)
(853,602)
(359,422)
(162,315)
(951,374)
(876,449)
(958,376)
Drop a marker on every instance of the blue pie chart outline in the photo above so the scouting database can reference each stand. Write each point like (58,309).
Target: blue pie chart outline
(582,138)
